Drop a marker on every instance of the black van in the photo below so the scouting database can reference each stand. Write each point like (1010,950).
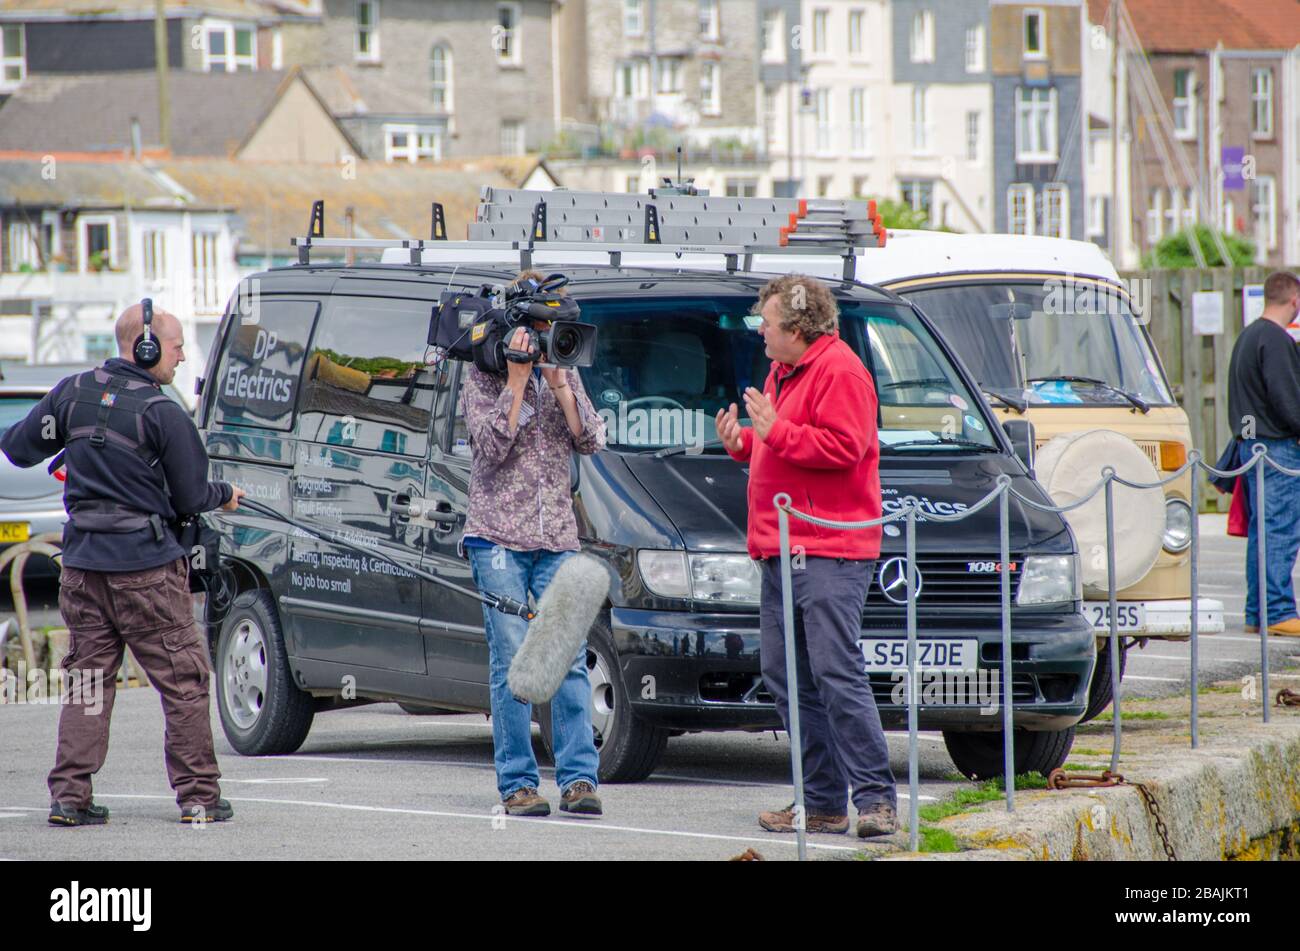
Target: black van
(323,403)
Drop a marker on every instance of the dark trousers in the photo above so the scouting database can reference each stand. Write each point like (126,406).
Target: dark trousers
(151,611)
(843,742)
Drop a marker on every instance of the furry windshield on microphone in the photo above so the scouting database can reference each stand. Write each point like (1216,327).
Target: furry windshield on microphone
(565,613)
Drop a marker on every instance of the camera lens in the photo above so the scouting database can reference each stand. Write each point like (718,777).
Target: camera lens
(566,343)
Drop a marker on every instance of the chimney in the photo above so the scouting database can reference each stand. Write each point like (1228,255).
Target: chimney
(137,147)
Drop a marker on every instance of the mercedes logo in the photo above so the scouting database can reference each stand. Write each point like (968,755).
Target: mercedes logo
(893,580)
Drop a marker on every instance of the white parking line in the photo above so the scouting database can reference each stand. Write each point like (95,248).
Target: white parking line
(574,825)
(674,777)
(1169,680)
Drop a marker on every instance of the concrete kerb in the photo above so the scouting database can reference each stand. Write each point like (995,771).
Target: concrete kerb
(1235,797)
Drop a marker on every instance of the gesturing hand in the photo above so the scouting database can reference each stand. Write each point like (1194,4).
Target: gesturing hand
(761,411)
(729,429)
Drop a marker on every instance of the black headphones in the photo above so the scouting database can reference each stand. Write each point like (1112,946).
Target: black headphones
(146,351)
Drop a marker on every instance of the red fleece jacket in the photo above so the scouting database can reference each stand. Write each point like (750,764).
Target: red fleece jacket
(823,450)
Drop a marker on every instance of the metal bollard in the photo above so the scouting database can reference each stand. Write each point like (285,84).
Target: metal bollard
(792,676)
(1008,712)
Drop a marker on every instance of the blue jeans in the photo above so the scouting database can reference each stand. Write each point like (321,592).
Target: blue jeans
(516,574)
(1282,523)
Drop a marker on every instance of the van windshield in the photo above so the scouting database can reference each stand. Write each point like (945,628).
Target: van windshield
(665,366)
(1061,329)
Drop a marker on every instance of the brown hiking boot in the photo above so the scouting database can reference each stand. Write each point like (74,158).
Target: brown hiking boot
(1287,628)
(783,821)
(580,799)
(879,818)
(525,801)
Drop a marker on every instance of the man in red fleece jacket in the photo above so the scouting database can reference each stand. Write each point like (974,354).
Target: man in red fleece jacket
(814,437)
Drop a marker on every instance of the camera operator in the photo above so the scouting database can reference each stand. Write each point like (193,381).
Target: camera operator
(523,426)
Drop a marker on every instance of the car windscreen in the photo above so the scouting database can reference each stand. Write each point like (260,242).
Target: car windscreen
(14,408)
(1063,329)
(665,366)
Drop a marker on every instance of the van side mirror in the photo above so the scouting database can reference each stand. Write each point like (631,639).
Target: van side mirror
(1021,434)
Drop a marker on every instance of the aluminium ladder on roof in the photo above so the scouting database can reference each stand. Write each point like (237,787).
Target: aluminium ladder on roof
(618,223)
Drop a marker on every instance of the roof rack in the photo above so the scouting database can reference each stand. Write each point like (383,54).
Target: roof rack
(664,221)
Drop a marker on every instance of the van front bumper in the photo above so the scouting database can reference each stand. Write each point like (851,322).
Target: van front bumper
(689,671)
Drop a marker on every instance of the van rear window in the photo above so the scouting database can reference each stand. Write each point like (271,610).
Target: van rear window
(261,369)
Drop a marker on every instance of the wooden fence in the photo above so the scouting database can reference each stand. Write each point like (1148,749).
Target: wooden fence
(1197,364)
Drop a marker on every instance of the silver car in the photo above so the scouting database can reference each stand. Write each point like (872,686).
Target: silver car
(31,500)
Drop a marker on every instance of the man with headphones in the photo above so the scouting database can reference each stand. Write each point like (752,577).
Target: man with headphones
(135,464)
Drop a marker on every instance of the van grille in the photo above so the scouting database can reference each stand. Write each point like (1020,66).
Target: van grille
(947,582)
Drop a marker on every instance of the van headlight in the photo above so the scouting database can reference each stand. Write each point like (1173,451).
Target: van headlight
(1178,525)
(1049,579)
(728,579)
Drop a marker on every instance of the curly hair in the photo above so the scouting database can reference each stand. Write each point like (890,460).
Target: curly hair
(807,305)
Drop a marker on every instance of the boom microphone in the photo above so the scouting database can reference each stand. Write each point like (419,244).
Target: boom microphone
(565,613)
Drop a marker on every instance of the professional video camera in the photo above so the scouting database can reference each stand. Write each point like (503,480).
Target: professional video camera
(478,326)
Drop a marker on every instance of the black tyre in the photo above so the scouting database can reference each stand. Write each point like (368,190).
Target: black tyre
(1102,690)
(262,710)
(629,747)
(979,755)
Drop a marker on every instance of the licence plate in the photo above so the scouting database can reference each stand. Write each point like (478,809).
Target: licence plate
(11,532)
(1128,617)
(932,653)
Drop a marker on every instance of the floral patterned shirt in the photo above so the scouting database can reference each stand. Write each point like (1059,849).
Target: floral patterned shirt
(519,494)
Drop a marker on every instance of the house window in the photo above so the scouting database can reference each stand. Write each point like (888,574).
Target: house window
(367,41)
(13,56)
(277,49)
(857,19)
(512,137)
(1020,209)
(506,33)
(920,121)
(229,48)
(822,104)
(824,185)
(153,258)
(773,36)
(1155,216)
(670,75)
(412,143)
(1056,211)
(859,185)
(1190,214)
(922,40)
(24,254)
(769,115)
(1035,124)
(1261,103)
(859,121)
(98,240)
(1096,216)
(819,22)
(1185,103)
(632,184)
(204,247)
(710,89)
(632,79)
(1173,211)
(633,15)
(1264,206)
(440,78)
(1229,216)
(99,347)
(919,196)
(972,136)
(742,187)
(1035,34)
(975,49)
(710,26)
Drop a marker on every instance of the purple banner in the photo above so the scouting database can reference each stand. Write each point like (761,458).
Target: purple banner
(1232,159)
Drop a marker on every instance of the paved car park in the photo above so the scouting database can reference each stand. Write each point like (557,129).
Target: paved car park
(375,782)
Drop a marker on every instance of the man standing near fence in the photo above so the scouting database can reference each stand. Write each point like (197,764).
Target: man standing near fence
(814,437)
(1264,407)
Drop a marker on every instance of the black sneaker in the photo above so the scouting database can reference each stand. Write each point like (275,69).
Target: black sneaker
(215,813)
(580,799)
(65,815)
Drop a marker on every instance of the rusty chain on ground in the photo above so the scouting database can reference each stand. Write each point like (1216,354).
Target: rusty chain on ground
(1060,779)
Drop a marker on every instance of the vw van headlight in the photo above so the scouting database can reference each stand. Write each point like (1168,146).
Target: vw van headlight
(1049,579)
(732,579)
(1178,525)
